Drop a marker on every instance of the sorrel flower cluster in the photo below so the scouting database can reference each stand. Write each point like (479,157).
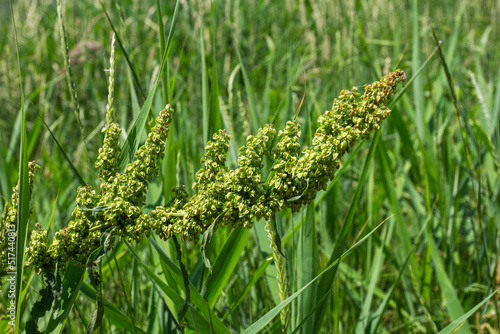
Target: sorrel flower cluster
(229,197)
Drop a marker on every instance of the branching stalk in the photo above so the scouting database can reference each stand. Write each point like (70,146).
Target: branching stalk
(235,197)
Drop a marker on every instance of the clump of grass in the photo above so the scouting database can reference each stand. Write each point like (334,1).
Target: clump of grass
(431,166)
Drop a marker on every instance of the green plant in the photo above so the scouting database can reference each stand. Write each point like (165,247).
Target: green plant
(225,197)
(8,225)
(239,65)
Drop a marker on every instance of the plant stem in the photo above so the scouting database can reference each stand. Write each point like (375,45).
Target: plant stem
(280,274)
(69,75)
(105,226)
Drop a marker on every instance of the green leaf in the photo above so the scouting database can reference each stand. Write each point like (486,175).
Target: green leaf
(23,205)
(254,116)
(204,86)
(70,163)
(277,238)
(185,278)
(453,304)
(162,49)
(255,277)
(113,314)
(486,141)
(168,291)
(42,306)
(93,269)
(71,285)
(376,318)
(258,325)
(393,194)
(207,236)
(135,133)
(308,265)
(170,166)
(97,209)
(215,112)
(376,269)
(327,281)
(460,321)
(225,263)
(196,298)
(125,53)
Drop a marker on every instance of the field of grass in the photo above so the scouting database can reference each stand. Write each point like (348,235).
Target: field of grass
(432,172)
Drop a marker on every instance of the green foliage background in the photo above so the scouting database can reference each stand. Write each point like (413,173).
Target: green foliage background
(239,65)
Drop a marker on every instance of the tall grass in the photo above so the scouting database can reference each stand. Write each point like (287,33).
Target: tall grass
(433,167)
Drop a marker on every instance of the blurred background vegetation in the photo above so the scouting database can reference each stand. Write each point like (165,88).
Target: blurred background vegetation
(238,65)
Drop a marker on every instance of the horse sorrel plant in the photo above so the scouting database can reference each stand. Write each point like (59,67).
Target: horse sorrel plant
(234,197)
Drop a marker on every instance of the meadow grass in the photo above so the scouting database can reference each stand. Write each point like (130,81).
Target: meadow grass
(433,167)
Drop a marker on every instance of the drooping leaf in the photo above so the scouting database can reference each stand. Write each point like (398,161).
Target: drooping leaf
(42,306)
(71,284)
(207,236)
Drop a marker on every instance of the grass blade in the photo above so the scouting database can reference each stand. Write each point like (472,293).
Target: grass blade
(225,263)
(455,325)
(376,269)
(204,86)
(135,133)
(23,215)
(392,193)
(254,116)
(23,205)
(71,285)
(376,318)
(327,281)
(215,112)
(113,314)
(418,84)
(69,77)
(258,325)
(196,298)
(307,266)
(170,166)
(255,277)
(5,189)
(125,53)
(73,168)
(453,304)
(162,50)
(166,289)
